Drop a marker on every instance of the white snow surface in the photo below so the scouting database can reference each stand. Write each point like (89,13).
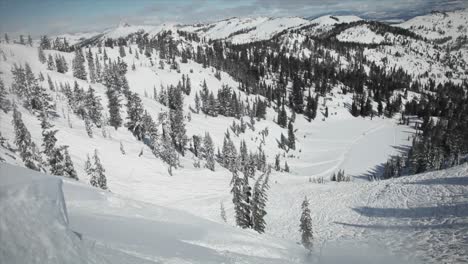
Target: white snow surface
(360,34)
(412,217)
(244,30)
(439,25)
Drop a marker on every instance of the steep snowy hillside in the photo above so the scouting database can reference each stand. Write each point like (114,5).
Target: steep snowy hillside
(46,220)
(199,143)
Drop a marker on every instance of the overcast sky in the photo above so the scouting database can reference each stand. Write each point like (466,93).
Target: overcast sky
(66,16)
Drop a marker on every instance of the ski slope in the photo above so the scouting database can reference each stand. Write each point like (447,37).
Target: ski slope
(176,219)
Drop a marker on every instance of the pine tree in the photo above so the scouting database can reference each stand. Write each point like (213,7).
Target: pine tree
(135,113)
(176,116)
(208,148)
(122,51)
(93,106)
(68,168)
(259,199)
(98,173)
(197,103)
(229,153)
(30,41)
(27,148)
(42,57)
(89,169)
(291,136)
(113,97)
(79,70)
(4,102)
(7,39)
(223,212)
(297,95)
(277,162)
(91,66)
(238,200)
(306,225)
(88,125)
(51,63)
(282,117)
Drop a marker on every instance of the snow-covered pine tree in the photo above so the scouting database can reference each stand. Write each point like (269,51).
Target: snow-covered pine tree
(113,97)
(27,148)
(98,172)
(91,66)
(97,69)
(176,116)
(93,106)
(41,54)
(277,162)
(259,199)
(50,83)
(51,63)
(89,169)
(79,70)
(68,168)
(223,212)
(237,200)
(88,125)
(4,102)
(135,114)
(208,148)
(229,153)
(122,51)
(305,226)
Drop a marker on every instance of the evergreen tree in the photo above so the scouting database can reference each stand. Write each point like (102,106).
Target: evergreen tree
(88,125)
(89,169)
(208,149)
(113,97)
(27,148)
(229,153)
(98,173)
(297,95)
(223,212)
(176,115)
(291,136)
(30,41)
(4,102)
(122,51)
(42,57)
(50,63)
(135,113)
(68,168)
(78,66)
(259,199)
(306,225)
(282,117)
(91,66)
(93,106)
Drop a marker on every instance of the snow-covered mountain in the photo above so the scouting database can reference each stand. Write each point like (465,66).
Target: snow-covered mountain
(202,106)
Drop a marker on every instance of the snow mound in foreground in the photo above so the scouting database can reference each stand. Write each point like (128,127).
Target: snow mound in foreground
(34,222)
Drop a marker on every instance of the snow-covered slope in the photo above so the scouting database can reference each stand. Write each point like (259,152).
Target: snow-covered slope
(40,223)
(244,30)
(360,34)
(440,25)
